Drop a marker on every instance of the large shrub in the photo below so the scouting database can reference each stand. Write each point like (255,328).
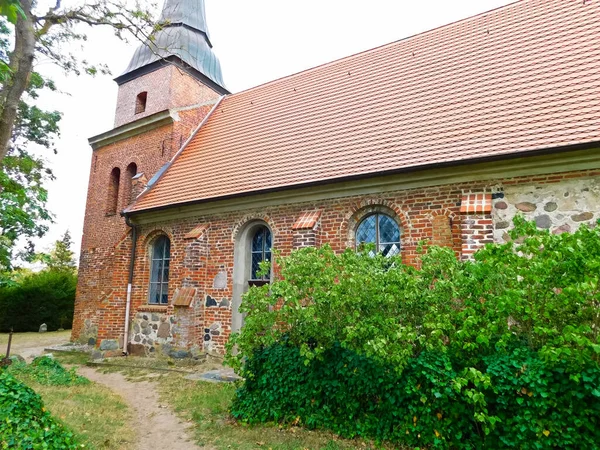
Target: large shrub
(500,352)
(45,297)
(24,422)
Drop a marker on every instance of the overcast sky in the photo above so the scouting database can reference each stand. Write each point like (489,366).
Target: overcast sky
(256,41)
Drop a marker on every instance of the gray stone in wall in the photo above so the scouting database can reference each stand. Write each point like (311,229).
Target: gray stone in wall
(220,281)
(526,206)
(164,330)
(109,344)
(566,228)
(582,217)
(210,301)
(207,337)
(91,341)
(155,317)
(550,206)
(224,303)
(136,328)
(144,323)
(180,354)
(146,331)
(543,221)
(215,326)
(503,224)
(137,338)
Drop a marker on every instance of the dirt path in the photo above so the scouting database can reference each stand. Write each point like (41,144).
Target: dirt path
(155,424)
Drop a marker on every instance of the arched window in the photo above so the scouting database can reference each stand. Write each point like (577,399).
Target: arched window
(140,102)
(260,250)
(130,173)
(381,230)
(113,192)
(159,271)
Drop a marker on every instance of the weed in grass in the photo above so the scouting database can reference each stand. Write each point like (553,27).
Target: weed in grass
(47,371)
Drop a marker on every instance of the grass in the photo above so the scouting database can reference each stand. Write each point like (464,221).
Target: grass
(26,344)
(98,417)
(207,404)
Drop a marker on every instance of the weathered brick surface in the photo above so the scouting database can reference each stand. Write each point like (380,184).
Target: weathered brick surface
(103,269)
(167,88)
(427,214)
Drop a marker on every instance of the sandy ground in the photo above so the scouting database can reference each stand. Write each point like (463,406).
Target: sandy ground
(155,424)
(29,345)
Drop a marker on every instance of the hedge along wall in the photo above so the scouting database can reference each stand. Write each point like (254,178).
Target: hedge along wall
(45,297)
(502,352)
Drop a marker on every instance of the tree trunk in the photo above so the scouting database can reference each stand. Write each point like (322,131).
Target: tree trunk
(21,65)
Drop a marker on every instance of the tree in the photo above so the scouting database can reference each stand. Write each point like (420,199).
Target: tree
(60,257)
(38,34)
(27,34)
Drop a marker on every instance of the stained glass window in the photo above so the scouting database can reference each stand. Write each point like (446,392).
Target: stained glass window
(260,251)
(159,271)
(381,230)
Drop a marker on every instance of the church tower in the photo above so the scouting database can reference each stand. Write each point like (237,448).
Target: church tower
(170,85)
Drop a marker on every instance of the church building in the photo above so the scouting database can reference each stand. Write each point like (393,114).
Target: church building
(441,137)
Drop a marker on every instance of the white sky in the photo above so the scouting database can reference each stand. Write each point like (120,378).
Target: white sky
(256,41)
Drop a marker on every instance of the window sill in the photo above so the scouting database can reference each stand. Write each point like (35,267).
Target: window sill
(153,308)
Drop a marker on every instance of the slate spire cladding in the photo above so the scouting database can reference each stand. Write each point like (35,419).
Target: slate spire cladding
(183,40)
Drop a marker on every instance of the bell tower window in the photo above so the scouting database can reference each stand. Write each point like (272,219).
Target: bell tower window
(113,192)
(140,102)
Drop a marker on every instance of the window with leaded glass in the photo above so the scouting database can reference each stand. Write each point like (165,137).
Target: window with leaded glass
(159,271)
(381,230)
(260,251)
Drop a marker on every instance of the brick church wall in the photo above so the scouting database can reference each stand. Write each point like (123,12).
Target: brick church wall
(206,262)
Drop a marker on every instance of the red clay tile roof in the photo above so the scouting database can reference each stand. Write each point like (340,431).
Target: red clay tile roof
(520,78)
(476,204)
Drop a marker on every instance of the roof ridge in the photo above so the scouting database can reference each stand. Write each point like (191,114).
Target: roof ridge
(373,49)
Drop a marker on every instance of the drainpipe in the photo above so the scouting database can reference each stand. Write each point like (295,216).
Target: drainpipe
(129,283)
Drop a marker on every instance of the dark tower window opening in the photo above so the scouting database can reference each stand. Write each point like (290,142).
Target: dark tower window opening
(113,192)
(140,102)
(129,174)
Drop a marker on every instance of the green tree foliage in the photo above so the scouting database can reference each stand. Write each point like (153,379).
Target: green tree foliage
(497,353)
(44,297)
(23,173)
(60,257)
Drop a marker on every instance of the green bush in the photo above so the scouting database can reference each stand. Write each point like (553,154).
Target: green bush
(502,352)
(24,422)
(45,297)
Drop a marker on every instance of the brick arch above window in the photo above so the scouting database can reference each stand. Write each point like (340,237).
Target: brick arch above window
(241,224)
(368,207)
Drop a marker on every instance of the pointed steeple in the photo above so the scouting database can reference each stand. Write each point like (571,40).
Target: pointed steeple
(183,40)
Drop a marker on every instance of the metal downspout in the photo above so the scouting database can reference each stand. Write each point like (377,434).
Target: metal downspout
(129,283)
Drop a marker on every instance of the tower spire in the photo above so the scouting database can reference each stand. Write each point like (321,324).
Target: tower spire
(183,40)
